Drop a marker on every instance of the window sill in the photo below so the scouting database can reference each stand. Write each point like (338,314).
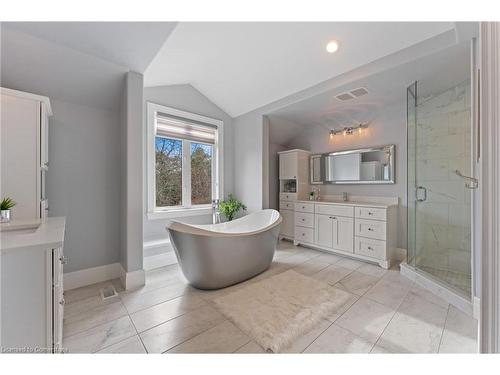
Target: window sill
(179,212)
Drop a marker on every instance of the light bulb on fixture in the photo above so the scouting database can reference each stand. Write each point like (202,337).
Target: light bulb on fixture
(359,130)
(332,46)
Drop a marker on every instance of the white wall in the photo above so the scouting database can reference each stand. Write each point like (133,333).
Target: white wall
(187,98)
(133,132)
(85,160)
(387,127)
(83,181)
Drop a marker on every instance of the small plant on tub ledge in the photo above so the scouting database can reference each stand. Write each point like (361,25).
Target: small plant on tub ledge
(230,207)
(5,206)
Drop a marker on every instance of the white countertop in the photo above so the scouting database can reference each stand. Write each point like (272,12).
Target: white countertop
(42,233)
(349,203)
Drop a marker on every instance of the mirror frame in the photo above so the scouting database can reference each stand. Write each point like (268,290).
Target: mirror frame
(392,160)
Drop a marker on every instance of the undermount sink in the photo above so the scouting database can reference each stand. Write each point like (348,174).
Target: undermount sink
(19,229)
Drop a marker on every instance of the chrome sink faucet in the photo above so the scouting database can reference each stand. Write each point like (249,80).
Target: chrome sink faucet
(215,211)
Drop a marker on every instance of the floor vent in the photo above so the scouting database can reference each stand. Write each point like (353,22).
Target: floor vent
(108,292)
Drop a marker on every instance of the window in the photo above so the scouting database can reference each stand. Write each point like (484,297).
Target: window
(183,161)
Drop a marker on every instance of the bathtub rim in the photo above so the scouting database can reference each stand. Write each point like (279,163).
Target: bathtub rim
(189,229)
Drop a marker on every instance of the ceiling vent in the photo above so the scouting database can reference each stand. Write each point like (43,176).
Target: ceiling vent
(359,92)
(344,96)
(353,94)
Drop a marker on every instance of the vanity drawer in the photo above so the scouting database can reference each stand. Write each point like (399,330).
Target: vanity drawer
(286,205)
(331,209)
(304,234)
(370,248)
(370,228)
(304,207)
(371,213)
(288,196)
(304,219)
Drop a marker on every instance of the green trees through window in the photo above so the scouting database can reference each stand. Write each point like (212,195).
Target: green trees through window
(168,172)
(201,173)
(169,168)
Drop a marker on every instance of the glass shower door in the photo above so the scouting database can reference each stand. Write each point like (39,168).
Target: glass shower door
(411,118)
(439,191)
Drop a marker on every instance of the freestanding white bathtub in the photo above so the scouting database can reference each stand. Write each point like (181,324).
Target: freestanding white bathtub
(214,256)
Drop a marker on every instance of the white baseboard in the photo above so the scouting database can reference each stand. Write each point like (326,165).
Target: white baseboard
(91,276)
(132,280)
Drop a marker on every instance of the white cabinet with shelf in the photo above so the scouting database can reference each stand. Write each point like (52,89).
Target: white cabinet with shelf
(288,165)
(293,175)
(24,151)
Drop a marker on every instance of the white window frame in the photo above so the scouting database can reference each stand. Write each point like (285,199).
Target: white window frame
(186,209)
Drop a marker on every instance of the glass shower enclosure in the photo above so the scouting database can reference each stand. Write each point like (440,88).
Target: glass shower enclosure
(440,186)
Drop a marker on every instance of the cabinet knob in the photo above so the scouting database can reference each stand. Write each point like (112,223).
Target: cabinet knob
(62,302)
(370,229)
(63,260)
(370,248)
(370,213)
(303,219)
(332,217)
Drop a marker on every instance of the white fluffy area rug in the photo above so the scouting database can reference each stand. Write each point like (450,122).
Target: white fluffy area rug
(277,310)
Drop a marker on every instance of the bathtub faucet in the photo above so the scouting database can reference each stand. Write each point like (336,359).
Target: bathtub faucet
(215,211)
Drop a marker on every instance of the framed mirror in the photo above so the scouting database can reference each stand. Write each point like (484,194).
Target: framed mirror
(316,170)
(362,166)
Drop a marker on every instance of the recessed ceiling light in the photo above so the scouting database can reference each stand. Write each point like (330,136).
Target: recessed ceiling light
(332,46)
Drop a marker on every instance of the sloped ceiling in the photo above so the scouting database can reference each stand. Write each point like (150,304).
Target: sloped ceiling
(80,62)
(130,44)
(435,73)
(243,66)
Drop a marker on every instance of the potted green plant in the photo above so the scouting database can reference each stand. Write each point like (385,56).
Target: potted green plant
(230,207)
(5,206)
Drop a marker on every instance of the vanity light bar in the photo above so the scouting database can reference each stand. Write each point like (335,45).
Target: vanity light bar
(348,130)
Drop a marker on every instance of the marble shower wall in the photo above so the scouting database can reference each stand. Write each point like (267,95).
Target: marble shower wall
(443,146)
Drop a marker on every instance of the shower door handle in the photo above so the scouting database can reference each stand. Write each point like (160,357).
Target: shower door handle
(474,183)
(421,188)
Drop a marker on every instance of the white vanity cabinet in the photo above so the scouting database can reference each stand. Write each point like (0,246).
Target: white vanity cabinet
(32,300)
(360,231)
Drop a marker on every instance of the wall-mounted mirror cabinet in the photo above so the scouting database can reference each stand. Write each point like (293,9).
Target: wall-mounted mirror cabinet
(364,166)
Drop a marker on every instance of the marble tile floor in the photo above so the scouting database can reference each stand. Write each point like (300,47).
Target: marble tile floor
(388,314)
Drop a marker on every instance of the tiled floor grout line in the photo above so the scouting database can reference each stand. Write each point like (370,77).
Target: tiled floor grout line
(156,304)
(136,330)
(192,337)
(444,327)
(393,315)
(97,325)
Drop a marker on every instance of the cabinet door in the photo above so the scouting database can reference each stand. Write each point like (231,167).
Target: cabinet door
(288,223)
(288,166)
(324,230)
(344,234)
(44,137)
